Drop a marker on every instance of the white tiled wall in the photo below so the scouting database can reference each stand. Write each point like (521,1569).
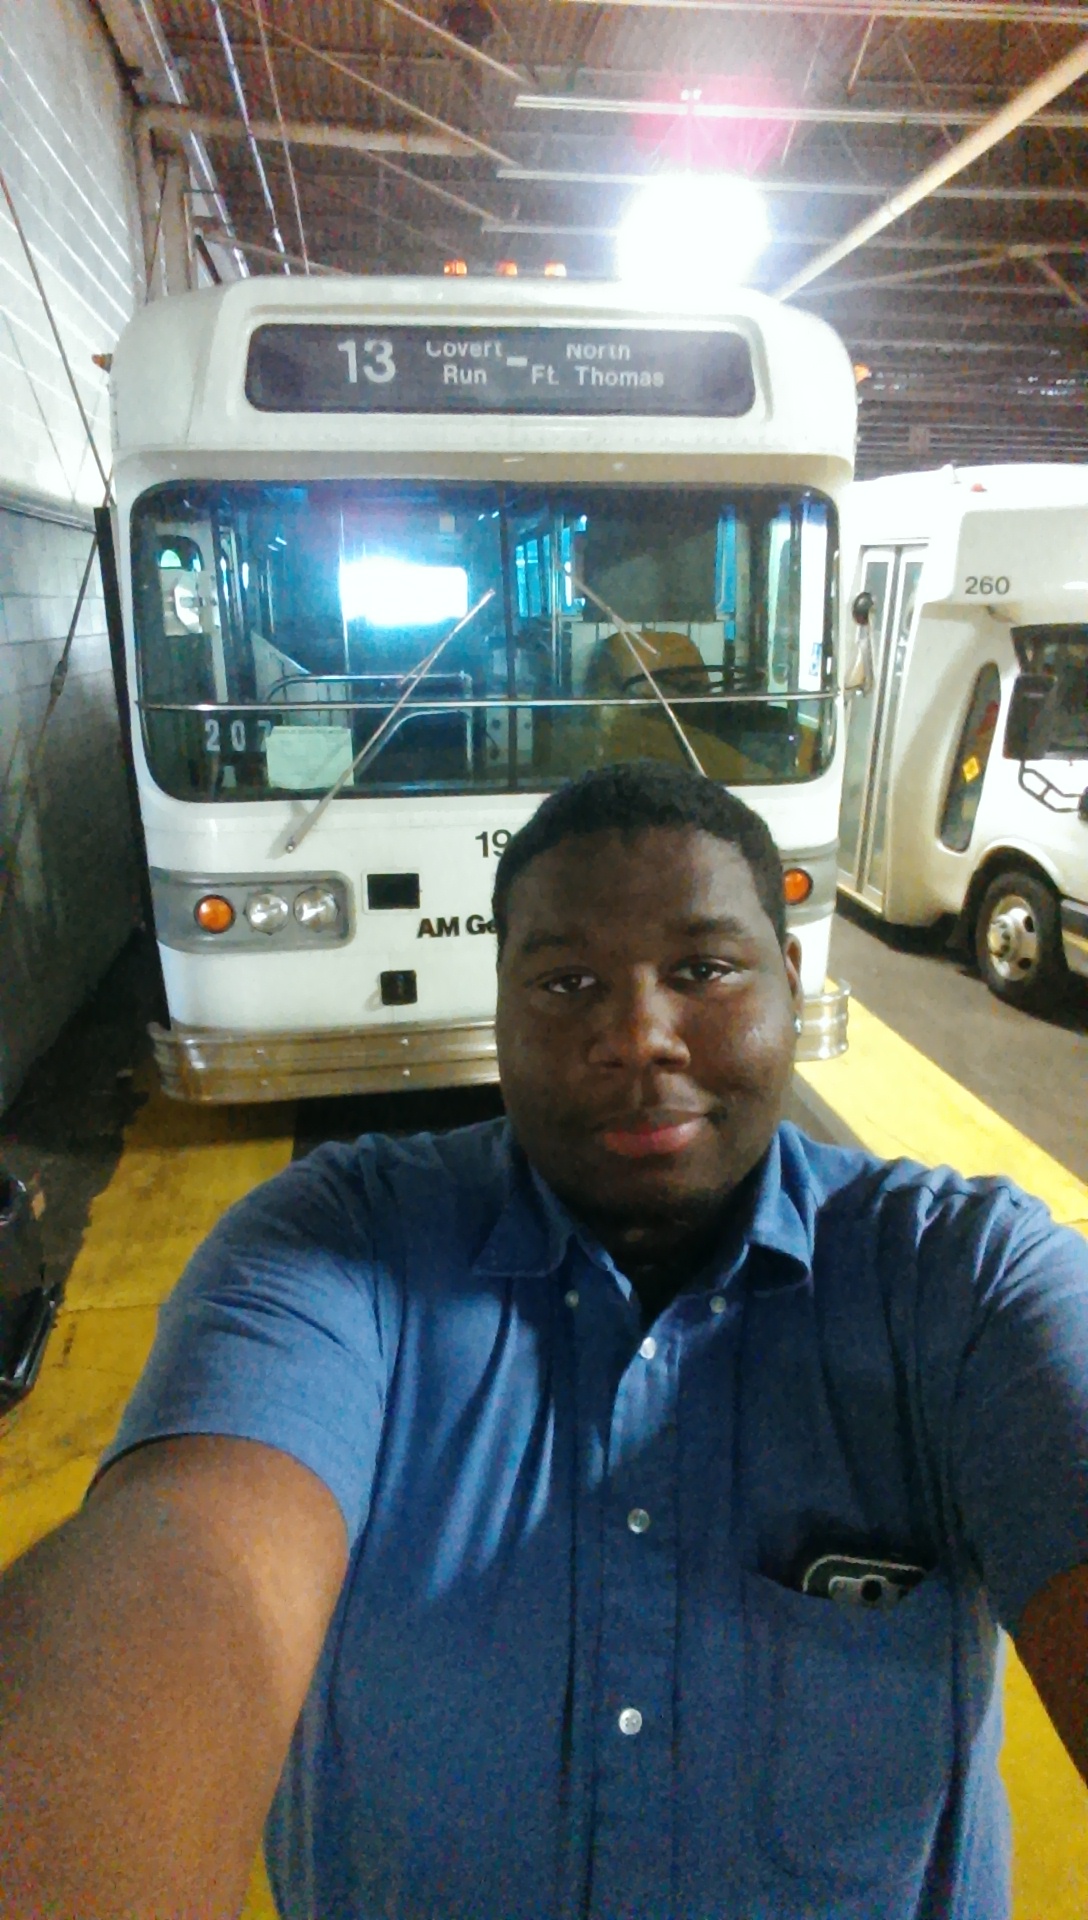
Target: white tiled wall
(67,893)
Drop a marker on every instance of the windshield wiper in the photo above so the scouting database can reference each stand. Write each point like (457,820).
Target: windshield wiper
(634,641)
(367,752)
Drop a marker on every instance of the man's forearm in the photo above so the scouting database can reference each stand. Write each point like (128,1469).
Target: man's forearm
(140,1734)
(1053,1645)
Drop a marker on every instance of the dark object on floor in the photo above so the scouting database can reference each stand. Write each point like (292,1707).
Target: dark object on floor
(28,1303)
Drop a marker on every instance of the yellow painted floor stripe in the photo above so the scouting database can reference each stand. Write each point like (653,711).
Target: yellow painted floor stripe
(898,1102)
(182,1167)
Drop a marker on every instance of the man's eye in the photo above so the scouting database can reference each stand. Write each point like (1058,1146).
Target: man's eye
(574,981)
(702,973)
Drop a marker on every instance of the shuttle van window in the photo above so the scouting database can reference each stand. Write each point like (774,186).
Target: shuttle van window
(970,763)
(276,625)
(1048,712)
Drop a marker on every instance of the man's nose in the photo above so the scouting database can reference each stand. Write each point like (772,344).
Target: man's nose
(639,1026)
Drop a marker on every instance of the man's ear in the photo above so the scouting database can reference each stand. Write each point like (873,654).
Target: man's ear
(791,960)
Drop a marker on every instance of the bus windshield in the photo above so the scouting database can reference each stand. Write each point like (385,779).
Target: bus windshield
(276,626)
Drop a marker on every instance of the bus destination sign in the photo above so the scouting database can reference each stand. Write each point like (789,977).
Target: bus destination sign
(310,368)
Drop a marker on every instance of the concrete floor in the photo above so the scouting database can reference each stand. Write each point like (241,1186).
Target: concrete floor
(1034,1072)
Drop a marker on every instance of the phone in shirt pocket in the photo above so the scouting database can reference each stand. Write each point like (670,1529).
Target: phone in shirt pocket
(854,1581)
(850,1726)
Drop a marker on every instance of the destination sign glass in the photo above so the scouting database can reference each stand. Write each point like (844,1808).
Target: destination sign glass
(307,368)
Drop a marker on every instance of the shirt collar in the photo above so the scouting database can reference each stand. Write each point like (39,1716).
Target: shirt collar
(531,1236)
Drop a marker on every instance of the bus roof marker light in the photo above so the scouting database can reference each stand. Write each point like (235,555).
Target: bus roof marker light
(693,236)
(391,593)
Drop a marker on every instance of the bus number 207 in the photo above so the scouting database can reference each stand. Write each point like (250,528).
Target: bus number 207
(215,738)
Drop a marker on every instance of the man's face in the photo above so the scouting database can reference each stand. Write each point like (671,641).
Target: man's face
(645,1021)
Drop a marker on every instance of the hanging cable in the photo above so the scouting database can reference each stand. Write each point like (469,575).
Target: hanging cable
(239,94)
(267,51)
(54,329)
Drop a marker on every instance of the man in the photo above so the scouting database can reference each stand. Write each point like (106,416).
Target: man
(611,1516)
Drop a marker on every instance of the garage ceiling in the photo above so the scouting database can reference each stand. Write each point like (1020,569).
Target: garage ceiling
(518,127)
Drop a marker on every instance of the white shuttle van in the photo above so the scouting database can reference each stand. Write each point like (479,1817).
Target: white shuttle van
(965,788)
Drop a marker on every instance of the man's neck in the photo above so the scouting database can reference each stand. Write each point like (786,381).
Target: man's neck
(662,1256)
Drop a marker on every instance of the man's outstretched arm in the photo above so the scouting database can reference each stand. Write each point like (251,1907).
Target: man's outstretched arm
(154,1655)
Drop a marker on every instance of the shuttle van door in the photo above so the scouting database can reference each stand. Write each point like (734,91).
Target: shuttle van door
(908,574)
(877,578)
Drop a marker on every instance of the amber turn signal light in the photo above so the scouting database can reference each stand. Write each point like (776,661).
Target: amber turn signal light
(213,913)
(796,885)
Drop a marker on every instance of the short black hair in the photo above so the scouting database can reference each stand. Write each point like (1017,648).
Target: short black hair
(629,799)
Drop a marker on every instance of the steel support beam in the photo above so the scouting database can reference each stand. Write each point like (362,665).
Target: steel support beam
(902,243)
(1058,282)
(301,133)
(451,41)
(845,115)
(852,189)
(997,128)
(410,107)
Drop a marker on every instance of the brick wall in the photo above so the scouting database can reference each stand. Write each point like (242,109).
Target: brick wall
(66,152)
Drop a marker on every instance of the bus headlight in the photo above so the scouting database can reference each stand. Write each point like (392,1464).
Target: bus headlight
(317,908)
(267,912)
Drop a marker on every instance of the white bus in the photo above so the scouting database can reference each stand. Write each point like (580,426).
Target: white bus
(966,784)
(395,557)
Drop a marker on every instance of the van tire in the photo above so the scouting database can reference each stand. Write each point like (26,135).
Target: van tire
(1018,941)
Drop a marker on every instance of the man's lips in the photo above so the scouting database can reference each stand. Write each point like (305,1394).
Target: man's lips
(642,1136)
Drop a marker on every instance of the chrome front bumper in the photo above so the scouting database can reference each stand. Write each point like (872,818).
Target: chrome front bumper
(1075,936)
(211,1066)
(216,1068)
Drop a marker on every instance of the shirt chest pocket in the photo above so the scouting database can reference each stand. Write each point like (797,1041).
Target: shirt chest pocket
(850,1718)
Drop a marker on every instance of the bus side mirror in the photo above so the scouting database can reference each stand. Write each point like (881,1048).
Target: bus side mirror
(858,677)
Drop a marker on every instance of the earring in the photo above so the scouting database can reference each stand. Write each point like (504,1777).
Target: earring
(798,1024)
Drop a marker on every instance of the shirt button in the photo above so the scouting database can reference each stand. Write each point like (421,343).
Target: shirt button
(571,1299)
(717,1303)
(648,1347)
(630,1720)
(638,1520)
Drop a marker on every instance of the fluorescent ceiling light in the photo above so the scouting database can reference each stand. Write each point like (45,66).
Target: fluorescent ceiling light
(386,592)
(691,238)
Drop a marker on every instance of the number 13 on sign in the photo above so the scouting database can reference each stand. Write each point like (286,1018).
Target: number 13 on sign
(378,363)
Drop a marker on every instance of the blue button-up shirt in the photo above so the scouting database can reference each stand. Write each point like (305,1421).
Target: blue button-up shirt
(572,1673)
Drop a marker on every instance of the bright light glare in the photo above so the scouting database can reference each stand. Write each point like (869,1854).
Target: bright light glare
(401,593)
(690,238)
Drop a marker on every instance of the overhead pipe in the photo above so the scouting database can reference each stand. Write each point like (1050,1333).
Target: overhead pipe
(273,87)
(235,79)
(301,133)
(1005,121)
(1043,13)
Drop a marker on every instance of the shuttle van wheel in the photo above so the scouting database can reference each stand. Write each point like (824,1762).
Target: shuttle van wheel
(1018,942)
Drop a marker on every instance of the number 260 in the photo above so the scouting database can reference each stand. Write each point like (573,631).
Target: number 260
(985,583)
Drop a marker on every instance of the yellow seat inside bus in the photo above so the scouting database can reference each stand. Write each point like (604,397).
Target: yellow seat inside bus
(598,736)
